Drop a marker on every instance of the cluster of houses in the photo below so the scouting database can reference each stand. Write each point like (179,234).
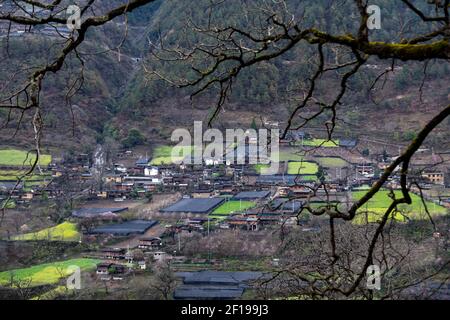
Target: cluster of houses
(133,176)
(117,263)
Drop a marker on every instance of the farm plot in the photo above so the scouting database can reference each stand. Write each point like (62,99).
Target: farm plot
(375,208)
(63,232)
(8,204)
(290,154)
(29,182)
(304,168)
(230,207)
(163,154)
(262,168)
(14,175)
(19,158)
(286,154)
(318,143)
(331,162)
(48,273)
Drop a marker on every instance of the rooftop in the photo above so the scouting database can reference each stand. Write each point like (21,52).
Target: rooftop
(277,179)
(286,204)
(94,212)
(126,228)
(251,195)
(348,143)
(214,285)
(195,205)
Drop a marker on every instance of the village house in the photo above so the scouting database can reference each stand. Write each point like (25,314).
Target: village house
(142,162)
(103,268)
(203,192)
(365,169)
(113,178)
(246,222)
(151,171)
(119,168)
(142,265)
(161,256)
(301,191)
(27,196)
(113,253)
(150,243)
(108,271)
(434,177)
(269,218)
(125,186)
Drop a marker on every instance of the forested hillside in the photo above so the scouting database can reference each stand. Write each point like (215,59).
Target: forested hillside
(274,88)
(117,93)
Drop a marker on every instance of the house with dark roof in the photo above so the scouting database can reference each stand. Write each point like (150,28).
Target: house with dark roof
(150,243)
(252,195)
(214,285)
(113,253)
(195,205)
(97,212)
(285,205)
(6,186)
(125,228)
(277,180)
(142,162)
(348,143)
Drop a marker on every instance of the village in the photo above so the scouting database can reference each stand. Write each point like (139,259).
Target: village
(139,211)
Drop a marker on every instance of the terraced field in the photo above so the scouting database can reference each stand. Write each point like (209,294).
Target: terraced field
(163,154)
(18,158)
(63,232)
(48,273)
(13,175)
(319,143)
(307,168)
(230,207)
(331,162)
(376,207)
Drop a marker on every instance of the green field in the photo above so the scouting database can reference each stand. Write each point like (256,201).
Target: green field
(308,177)
(63,232)
(319,143)
(331,162)
(49,273)
(262,168)
(163,154)
(14,175)
(307,168)
(286,154)
(232,206)
(291,154)
(8,204)
(376,207)
(18,158)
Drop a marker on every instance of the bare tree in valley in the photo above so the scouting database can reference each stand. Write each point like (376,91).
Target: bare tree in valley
(164,281)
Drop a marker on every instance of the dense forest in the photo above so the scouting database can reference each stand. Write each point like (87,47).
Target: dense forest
(118,90)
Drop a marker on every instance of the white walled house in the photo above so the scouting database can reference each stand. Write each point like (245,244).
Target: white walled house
(151,171)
